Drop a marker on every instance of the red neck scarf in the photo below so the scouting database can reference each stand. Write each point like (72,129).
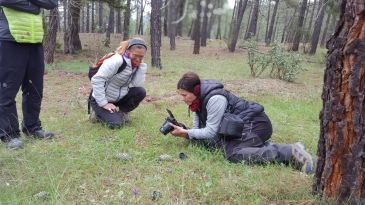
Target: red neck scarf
(195,105)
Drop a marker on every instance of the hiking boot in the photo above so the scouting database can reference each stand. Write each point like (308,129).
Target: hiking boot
(14,143)
(302,159)
(40,134)
(125,115)
(92,116)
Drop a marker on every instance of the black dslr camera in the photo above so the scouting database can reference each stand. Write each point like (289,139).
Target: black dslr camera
(166,127)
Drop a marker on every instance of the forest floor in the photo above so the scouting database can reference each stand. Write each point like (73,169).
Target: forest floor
(80,166)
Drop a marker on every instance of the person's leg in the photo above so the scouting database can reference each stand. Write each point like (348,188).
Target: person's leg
(13,59)
(32,89)
(113,120)
(131,101)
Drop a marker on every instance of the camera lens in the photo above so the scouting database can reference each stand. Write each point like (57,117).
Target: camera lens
(166,128)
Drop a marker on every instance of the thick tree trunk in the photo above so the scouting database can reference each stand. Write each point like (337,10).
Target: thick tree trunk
(271,27)
(299,30)
(317,28)
(340,173)
(72,39)
(172,26)
(92,16)
(50,40)
(127,17)
(252,29)
(237,25)
(179,27)
(155,33)
(196,32)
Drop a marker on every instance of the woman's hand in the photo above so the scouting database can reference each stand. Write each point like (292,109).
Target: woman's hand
(110,107)
(179,131)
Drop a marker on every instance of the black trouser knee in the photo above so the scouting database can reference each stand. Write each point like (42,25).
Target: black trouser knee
(131,101)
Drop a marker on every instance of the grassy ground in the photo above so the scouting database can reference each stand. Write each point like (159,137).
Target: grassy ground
(80,167)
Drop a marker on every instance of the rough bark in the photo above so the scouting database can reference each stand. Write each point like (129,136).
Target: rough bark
(65,6)
(140,26)
(155,32)
(317,28)
(299,30)
(72,41)
(237,25)
(165,31)
(50,39)
(196,32)
(340,173)
(127,17)
(268,20)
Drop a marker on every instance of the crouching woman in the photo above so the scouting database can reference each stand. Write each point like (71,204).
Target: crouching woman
(119,84)
(212,104)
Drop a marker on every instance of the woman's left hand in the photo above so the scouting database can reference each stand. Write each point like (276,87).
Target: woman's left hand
(179,131)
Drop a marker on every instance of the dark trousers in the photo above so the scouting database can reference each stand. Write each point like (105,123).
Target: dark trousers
(128,103)
(253,147)
(21,65)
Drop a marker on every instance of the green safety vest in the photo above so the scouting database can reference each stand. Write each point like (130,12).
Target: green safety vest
(24,27)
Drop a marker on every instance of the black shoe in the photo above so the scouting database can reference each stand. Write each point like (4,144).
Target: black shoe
(41,134)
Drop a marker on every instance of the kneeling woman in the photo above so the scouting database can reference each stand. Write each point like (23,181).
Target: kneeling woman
(210,101)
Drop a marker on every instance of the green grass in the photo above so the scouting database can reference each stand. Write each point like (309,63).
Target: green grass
(80,167)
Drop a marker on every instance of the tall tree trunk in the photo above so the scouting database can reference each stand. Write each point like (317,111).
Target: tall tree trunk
(179,26)
(196,32)
(82,20)
(325,30)
(317,28)
(110,28)
(140,28)
(271,28)
(171,25)
(268,20)
(101,24)
(237,25)
(340,173)
(253,22)
(204,30)
(165,21)
(219,27)
(155,32)
(275,28)
(87,17)
(72,39)
(65,14)
(249,5)
(50,40)
(119,20)
(299,30)
(92,16)
(127,17)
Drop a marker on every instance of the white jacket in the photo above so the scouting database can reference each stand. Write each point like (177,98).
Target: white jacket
(109,87)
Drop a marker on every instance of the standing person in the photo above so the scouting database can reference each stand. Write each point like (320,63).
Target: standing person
(21,65)
(210,102)
(111,89)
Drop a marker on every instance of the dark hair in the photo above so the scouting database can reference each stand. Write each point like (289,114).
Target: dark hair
(188,81)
